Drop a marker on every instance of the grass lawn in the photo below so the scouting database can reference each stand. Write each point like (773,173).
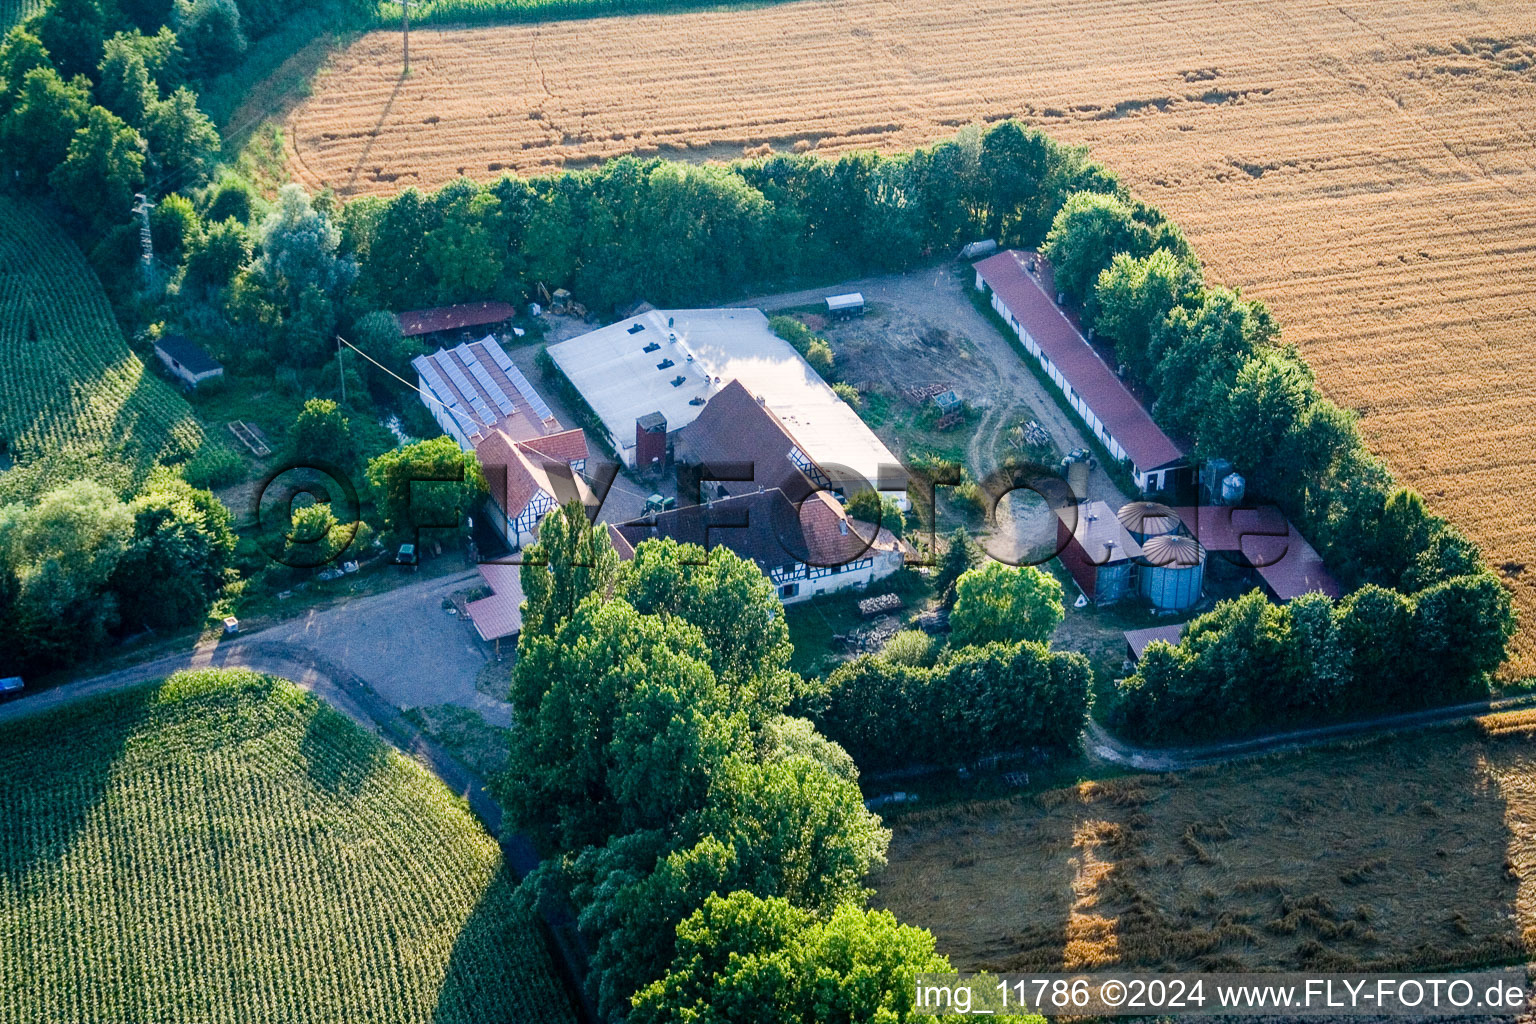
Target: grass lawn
(224,847)
(481,747)
(812,624)
(1395,854)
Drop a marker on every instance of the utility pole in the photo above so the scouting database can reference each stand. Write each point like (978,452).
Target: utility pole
(405,33)
(146,240)
(341,372)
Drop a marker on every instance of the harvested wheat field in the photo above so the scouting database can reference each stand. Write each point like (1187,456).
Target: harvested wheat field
(1396,854)
(1368,168)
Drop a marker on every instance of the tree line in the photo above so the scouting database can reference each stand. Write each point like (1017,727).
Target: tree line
(696,828)
(1223,378)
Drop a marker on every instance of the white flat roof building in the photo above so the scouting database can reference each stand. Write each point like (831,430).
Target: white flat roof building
(674,361)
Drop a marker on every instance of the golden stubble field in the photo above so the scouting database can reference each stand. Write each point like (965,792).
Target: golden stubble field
(1367,168)
(1407,853)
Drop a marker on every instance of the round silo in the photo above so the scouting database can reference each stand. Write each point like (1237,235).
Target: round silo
(1146,519)
(1172,572)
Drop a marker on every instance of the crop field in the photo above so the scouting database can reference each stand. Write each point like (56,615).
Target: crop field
(1367,168)
(69,384)
(223,847)
(1393,854)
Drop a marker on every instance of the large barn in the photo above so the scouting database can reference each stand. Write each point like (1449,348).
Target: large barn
(1019,287)
(651,375)
(531,462)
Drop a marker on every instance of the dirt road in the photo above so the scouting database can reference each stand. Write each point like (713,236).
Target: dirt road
(975,359)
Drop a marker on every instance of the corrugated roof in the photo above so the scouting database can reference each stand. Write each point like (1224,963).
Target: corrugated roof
(1140,639)
(1148,518)
(451,318)
(1172,551)
(1123,416)
(1098,532)
(500,614)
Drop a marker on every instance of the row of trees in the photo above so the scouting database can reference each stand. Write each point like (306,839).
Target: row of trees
(1250,665)
(1223,378)
(995,689)
(79,565)
(694,827)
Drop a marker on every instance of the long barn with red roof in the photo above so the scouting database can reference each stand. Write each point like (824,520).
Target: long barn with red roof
(1018,286)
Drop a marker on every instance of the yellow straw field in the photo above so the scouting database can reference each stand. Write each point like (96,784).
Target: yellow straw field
(1367,168)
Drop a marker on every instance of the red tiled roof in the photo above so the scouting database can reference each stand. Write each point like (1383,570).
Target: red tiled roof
(1123,416)
(451,318)
(566,446)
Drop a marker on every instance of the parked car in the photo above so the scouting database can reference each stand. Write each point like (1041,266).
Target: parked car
(406,555)
(10,685)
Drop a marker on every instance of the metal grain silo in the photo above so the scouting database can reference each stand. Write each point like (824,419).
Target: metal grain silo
(1172,572)
(1146,519)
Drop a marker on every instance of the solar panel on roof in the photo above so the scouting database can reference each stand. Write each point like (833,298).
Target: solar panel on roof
(435,382)
(540,408)
(500,357)
(481,374)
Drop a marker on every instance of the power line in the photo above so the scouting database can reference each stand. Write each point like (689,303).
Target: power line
(430,397)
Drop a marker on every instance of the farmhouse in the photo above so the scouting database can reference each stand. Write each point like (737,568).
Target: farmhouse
(187,362)
(651,375)
(487,405)
(811,549)
(1018,285)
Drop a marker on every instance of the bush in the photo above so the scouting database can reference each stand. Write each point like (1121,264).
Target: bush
(216,464)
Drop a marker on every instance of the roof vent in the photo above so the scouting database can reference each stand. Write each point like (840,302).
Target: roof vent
(696,400)
(669,324)
(679,381)
(652,347)
(636,328)
(665,364)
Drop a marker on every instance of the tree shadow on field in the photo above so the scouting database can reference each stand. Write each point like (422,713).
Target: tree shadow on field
(502,967)
(55,769)
(339,756)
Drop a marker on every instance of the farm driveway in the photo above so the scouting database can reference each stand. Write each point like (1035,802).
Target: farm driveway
(991,375)
(400,645)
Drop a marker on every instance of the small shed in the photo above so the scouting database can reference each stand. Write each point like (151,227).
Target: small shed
(976,250)
(840,307)
(1138,640)
(651,441)
(186,361)
(947,401)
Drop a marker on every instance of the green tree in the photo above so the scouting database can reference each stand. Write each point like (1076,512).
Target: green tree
(571,561)
(1200,352)
(45,114)
(869,506)
(1462,629)
(124,85)
(102,170)
(623,725)
(466,248)
(72,31)
(1000,697)
(181,138)
(732,604)
(1134,295)
(300,273)
(999,603)
(210,34)
(322,434)
(872,709)
(175,228)
(1254,424)
(1016,165)
(1376,627)
(426,483)
(183,541)
(21,51)
(218,256)
(1084,238)
(315,537)
(960,554)
(60,551)
(745,958)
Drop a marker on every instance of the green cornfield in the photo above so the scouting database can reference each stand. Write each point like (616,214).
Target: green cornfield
(224,847)
(14,12)
(69,383)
